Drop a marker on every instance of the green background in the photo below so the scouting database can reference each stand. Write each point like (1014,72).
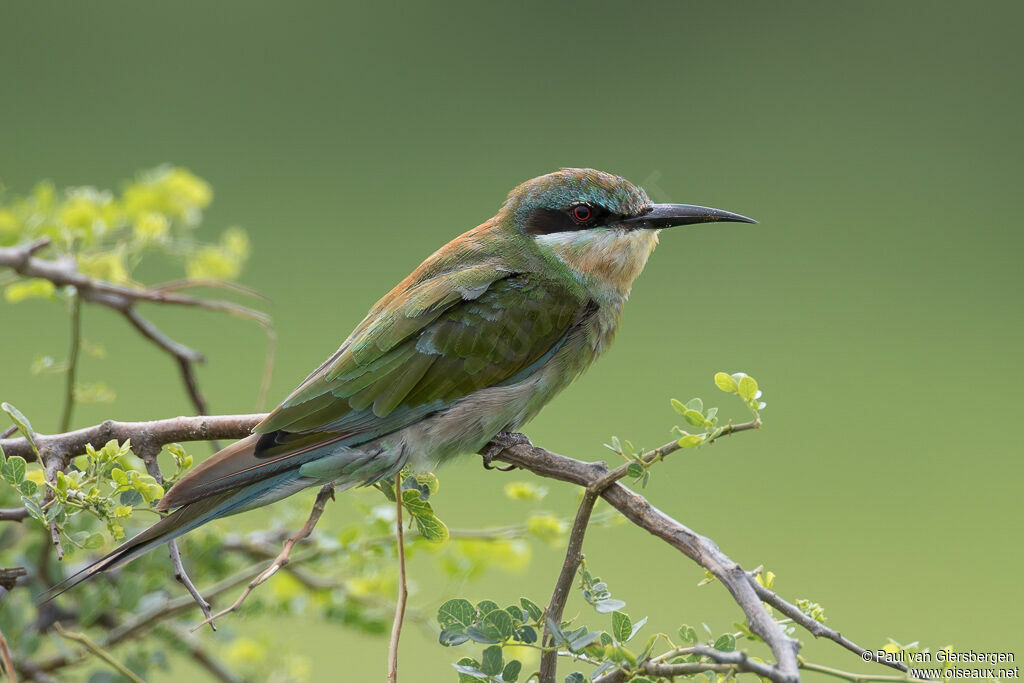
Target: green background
(878,302)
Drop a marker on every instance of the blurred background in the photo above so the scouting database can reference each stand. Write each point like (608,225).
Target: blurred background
(878,302)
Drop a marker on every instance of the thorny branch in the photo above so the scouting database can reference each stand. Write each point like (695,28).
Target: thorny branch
(595,477)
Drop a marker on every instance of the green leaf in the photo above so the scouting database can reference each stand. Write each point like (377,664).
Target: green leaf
(510,674)
(575,677)
(23,424)
(93,541)
(725,643)
(33,288)
(33,508)
(491,663)
(485,606)
(693,417)
(678,406)
(691,440)
(584,640)
(531,608)
(609,605)
(14,469)
(725,382)
(457,612)
(119,476)
(468,672)
(432,529)
(634,470)
(497,624)
(622,626)
(747,387)
(687,634)
(636,627)
(28,487)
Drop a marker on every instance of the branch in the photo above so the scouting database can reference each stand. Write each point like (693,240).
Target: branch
(747,593)
(819,630)
(573,551)
(148,619)
(403,591)
(326,492)
(13,514)
(700,549)
(556,606)
(156,432)
(64,272)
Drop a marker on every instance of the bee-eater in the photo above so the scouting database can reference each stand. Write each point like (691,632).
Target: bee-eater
(473,343)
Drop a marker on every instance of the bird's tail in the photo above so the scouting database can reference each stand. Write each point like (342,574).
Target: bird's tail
(179,522)
(233,480)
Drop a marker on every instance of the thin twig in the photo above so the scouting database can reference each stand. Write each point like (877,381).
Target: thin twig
(98,651)
(149,453)
(819,630)
(403,591)
(326,493)
(858,677)
(76,343)
(556,606)
(158,614)
(7,660)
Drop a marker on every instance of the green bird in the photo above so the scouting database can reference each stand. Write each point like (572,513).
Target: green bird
(480,337)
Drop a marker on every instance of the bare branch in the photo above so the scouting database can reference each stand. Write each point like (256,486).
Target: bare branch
(326,493)
(158,432)
(556,606)
(13,514)
(403,590)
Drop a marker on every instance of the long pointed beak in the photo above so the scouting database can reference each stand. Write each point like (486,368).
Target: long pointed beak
(669,215)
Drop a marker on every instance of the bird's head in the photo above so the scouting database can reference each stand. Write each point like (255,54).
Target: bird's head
(602,227)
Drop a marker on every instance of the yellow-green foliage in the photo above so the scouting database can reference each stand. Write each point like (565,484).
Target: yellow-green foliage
(109,233)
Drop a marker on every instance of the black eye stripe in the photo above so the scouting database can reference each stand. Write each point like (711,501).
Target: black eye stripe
(569,219)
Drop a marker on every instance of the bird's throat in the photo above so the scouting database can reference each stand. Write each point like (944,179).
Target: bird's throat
(608,260)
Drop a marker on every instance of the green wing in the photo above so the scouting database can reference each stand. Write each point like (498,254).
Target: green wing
(417,353)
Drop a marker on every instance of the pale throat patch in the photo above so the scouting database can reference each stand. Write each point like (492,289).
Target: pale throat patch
(608,257)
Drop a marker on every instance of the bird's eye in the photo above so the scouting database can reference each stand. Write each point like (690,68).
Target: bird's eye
(581,213)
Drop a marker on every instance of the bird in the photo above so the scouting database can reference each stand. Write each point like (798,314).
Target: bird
(469,347)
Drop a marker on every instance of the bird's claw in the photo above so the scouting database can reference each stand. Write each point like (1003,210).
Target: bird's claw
(500,442)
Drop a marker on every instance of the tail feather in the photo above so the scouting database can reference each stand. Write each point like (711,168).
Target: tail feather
(179,522)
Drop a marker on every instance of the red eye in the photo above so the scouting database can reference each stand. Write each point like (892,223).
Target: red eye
(581,213)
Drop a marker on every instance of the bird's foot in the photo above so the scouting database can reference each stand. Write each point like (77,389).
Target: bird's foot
(500,442)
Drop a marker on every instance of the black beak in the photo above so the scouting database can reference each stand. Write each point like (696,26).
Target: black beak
(669,215)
